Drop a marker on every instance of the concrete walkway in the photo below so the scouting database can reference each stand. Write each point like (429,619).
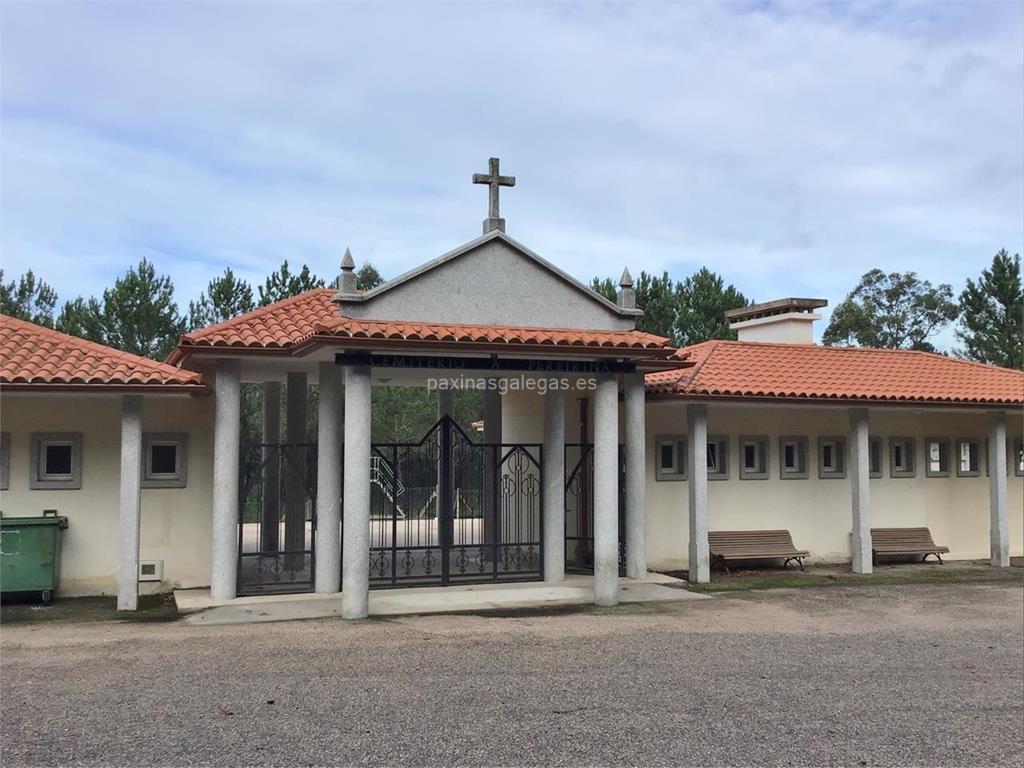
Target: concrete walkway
(575,590)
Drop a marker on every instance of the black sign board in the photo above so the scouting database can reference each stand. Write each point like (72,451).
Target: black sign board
(494,363)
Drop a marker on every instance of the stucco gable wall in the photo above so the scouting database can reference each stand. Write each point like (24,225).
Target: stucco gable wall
(492,284)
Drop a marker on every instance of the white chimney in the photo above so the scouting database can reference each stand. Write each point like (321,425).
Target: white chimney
(785,321)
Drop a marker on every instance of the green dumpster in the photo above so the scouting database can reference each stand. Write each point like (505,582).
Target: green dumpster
(30,553)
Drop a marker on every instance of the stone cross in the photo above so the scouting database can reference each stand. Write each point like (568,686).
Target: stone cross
(495,181)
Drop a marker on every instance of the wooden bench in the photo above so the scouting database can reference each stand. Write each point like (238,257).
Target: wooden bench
(904,541)
(753,545)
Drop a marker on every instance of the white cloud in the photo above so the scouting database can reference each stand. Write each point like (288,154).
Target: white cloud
(790,147)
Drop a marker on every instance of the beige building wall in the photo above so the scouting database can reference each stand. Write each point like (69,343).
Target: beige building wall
(176,522)
(817,512)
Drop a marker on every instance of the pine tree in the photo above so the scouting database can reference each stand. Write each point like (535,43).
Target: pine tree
(140,315)
(658,297)
(367,277)
(225,297)
(992,314)
(82,318)
(28,298)
(891,311)
(688,312)
(702,303)
(282,284)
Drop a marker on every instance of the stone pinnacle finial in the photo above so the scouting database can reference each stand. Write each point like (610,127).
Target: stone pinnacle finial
(626,297)
(347,282)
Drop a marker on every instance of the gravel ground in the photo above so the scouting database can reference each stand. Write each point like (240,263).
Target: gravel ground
(890,675)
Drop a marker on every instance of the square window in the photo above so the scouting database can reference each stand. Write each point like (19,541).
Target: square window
(55,462)
(831,458)
(936,457)
(753,458)
(968,458)
(901,457)
(5,460)
(793,458)
(875,457)
(718,457)
(164,460)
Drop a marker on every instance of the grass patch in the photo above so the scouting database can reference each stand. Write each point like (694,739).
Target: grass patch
(81,609)
(900,575)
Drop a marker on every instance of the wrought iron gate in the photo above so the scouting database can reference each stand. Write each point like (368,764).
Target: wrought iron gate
(277,520)
(579,508)
(450,510)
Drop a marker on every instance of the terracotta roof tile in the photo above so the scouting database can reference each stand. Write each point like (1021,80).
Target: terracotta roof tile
(735,369)
(274,326)
(32,356)
(313,316)
(343,327)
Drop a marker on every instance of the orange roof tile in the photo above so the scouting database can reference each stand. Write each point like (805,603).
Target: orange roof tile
(735,369)
(274,326)
(33,357)
(312,317)
(343,327)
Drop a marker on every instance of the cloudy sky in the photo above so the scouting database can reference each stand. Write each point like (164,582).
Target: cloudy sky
(790,147)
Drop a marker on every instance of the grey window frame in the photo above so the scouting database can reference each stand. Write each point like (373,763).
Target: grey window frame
(165,480)
(679,441)
(941,441)
(5,461)
(876,473)
(911,444)
(839,445)
(765,444)
(722,441)
(1016,451)
(801,445)
(37,481)
(961,441)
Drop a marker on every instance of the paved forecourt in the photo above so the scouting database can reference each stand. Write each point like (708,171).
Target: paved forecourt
(872,675)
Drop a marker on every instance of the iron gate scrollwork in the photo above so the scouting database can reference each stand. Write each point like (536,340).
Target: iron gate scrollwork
(277,518)
(579,508)
(450,510)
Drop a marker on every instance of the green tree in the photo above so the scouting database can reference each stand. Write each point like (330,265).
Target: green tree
(891,311)
(137,315)
(28,298)
(605,288)
(367,277)
(656,296)
(140,315)
(992,314)
(225,297)
(687,312)
(82,318)
(282,284)
(701,304)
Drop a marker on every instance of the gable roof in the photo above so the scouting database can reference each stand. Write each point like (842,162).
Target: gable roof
(754,370)
(472,245)
(291,326)
(36,358)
